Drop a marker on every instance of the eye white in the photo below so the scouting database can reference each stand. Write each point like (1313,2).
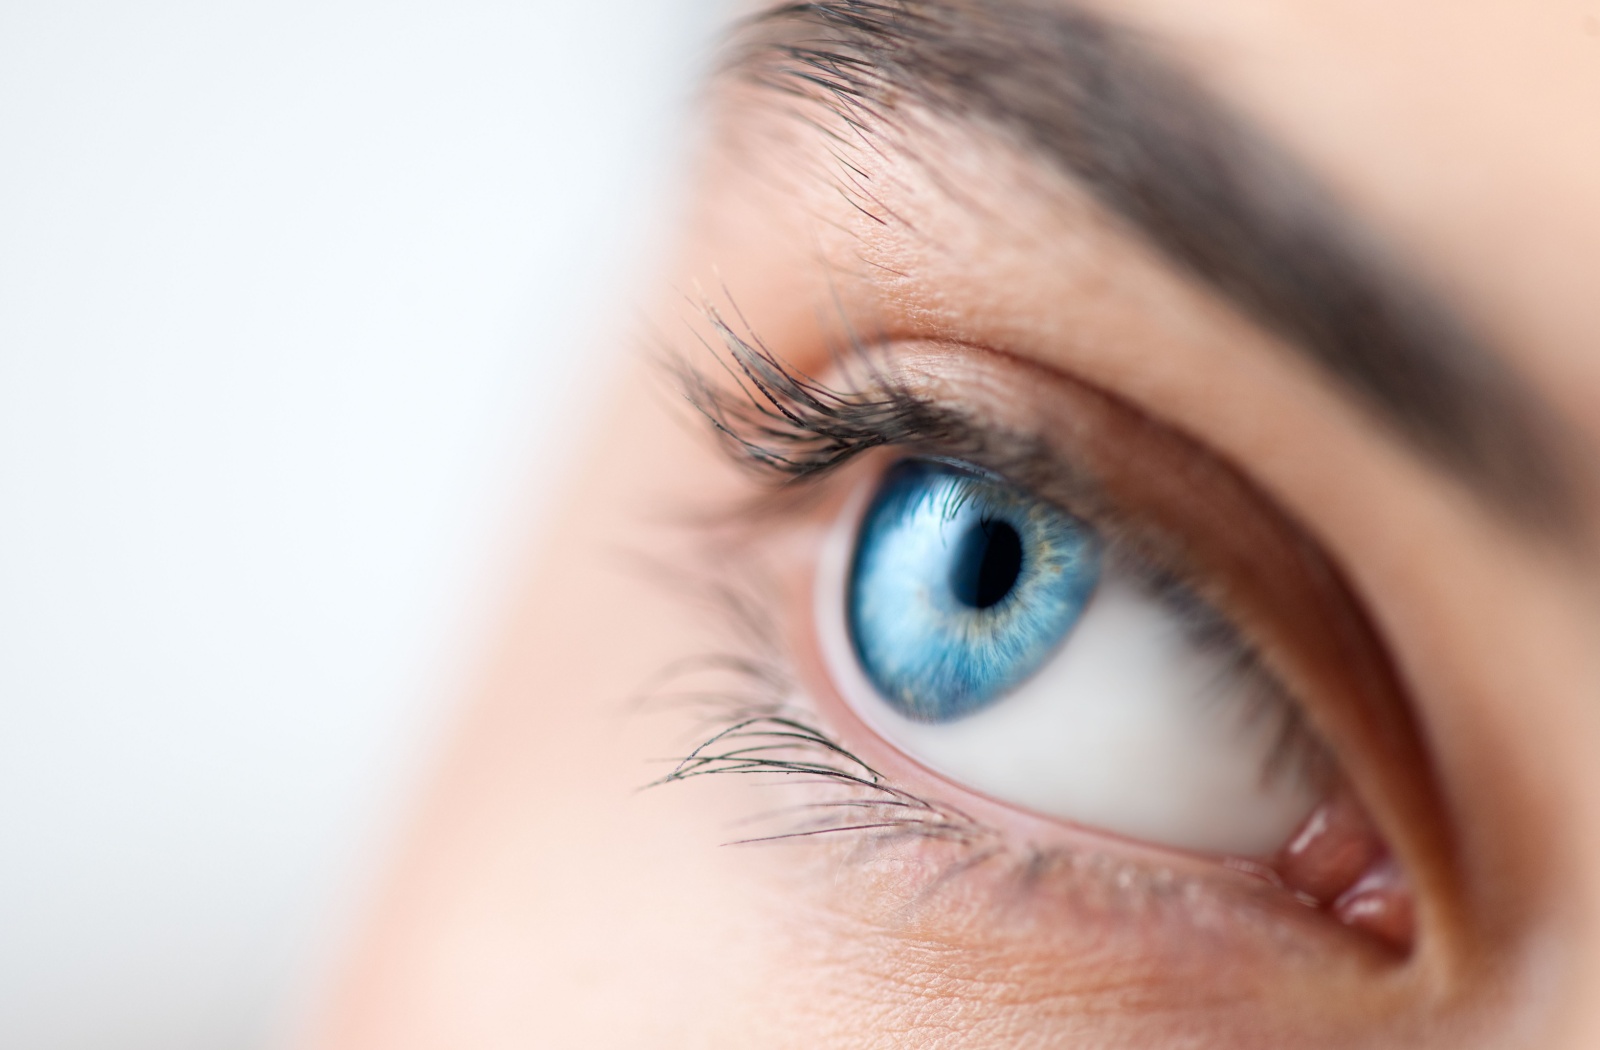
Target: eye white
(1130,727)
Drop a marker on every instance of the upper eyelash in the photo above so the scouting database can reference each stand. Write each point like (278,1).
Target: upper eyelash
(792,427)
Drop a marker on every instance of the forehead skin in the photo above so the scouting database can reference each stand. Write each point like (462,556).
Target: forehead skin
(539,901)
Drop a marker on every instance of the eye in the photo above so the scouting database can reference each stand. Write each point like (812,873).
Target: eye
(1059,606)
(1022,652)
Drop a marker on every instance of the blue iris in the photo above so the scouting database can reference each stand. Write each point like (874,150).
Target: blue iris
(962,585)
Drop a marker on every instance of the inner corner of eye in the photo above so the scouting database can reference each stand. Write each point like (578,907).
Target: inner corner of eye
(987,634)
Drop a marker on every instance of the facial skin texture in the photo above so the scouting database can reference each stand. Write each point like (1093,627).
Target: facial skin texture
(542,900)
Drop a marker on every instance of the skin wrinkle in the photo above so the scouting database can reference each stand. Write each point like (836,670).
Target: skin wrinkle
(923,989)
(921,985)
(1201,186)
(995,971)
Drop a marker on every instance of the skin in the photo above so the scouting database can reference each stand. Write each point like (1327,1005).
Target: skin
(540,899)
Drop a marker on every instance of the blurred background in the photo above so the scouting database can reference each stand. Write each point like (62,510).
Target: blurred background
(300,303)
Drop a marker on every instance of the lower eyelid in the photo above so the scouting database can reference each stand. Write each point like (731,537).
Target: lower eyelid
(984,872)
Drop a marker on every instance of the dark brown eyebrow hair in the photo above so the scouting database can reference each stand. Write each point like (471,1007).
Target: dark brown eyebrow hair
(1208,191)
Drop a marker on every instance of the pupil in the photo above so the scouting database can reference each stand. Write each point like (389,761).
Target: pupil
(987,563)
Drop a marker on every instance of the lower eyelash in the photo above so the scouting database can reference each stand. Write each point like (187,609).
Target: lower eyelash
(756,730)
(753,727)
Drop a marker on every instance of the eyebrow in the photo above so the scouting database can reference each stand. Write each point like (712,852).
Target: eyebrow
(1206,189)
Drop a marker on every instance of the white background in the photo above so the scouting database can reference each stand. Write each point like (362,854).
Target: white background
(298,301)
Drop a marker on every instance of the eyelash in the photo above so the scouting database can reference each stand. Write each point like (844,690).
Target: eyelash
(791,431)
(793,428)
(760,734)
